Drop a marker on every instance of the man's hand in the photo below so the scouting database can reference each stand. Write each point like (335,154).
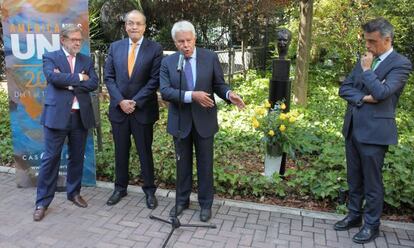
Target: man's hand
(202,98)
(366,61)
(85,76)
(369,99)
(236,100)
(128,106)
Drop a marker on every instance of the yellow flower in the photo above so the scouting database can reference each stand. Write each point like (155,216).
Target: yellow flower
(282,106)
(271,133)
(294,113)
(260,111)
(282,116)
(255,123)
(292,119)
(267,104)
(282,128)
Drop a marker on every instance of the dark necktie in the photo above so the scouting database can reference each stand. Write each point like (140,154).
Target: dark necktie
(188,74)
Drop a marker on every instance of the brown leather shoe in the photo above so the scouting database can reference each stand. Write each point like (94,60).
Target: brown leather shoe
(39,213)
(79,201)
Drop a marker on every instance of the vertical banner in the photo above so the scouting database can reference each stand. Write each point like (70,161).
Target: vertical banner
(31,28)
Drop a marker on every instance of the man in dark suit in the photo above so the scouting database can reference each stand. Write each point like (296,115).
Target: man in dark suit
(372,91)
(67,113)
(202,76)
(132,78)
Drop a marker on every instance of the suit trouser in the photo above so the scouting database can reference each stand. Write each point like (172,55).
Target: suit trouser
(143,136)
(364,173)
(204,156)
(49,168)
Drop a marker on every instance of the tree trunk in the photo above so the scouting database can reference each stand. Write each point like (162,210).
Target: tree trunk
(304,46)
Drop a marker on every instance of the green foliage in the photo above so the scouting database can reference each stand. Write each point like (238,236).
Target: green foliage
(6,149)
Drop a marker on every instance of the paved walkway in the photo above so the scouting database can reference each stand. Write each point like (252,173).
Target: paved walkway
(127,224)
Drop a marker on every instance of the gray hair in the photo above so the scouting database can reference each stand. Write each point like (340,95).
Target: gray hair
(182,26)
(134,12)
(381,25)
(70,28)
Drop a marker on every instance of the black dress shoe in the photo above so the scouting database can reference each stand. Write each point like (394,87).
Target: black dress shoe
(180,209)
(348,223)
(39,213)
(205,214)
(152,202)
(366,234)
(116,197)
(79,201)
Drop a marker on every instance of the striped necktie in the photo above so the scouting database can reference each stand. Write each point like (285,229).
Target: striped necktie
(375,63)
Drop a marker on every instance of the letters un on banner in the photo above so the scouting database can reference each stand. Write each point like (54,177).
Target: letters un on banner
(31,28)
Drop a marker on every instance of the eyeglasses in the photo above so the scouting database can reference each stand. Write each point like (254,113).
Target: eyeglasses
(131,24)
(74,40)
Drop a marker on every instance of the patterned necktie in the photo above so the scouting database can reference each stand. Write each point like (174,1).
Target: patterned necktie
(374,63)
(75,104)
(188,74)
(131,58)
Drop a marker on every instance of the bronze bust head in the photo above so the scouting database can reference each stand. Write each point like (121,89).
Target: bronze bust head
(283,41)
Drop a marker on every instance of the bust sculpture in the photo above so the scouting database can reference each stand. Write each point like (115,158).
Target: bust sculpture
(283,41)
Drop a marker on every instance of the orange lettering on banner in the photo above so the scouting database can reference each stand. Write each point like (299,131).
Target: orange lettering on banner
(20,28)
(12,28)
(57,29)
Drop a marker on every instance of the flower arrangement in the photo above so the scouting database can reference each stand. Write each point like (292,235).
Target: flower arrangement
(276,126)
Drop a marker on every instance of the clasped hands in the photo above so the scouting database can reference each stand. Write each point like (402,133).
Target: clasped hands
(203,98)
(128,106)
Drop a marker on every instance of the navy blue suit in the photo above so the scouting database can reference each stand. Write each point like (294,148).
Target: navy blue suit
(140,87)
(368,130)
(60,121)
(197,124)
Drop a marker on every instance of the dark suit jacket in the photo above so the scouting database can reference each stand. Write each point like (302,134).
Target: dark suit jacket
(142,85)
(59,98)
(375,123)
(209,79)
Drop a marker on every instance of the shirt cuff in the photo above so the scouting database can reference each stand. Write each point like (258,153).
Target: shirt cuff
(227,94)
(80,77)
(187,97)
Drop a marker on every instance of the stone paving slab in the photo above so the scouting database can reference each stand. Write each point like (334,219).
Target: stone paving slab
(127,224)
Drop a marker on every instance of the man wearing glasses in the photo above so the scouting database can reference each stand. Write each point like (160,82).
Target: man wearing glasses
(67,113)
(132,78)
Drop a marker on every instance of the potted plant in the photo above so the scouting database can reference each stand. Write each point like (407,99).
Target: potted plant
(276,127)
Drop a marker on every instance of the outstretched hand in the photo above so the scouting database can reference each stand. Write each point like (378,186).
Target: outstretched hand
(236,100)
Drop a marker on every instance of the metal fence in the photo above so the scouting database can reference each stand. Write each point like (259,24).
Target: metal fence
(2,57)
(234,61)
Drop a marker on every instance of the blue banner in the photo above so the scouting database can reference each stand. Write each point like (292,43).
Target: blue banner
(31,28)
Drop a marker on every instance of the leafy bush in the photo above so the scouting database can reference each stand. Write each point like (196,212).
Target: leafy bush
(6,149)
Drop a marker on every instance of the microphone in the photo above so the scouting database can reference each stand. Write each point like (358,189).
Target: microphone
(180,62)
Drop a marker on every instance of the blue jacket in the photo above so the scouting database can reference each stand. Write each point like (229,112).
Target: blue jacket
(374,123)
(59,99)
(209,79)
(141,87)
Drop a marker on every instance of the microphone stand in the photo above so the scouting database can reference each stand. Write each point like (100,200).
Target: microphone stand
(174,221)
